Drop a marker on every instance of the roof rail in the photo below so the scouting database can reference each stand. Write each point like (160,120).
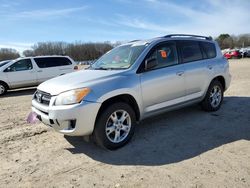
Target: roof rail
(186,35)
(134,41)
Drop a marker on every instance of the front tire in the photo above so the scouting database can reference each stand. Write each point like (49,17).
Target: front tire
(115,126)
(3,88)
(214,97)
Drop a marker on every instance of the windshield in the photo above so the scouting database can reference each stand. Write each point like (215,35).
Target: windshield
(121,57)
(2,63)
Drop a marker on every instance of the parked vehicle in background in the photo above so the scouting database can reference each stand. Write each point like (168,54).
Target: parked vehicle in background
(246,52)
(86,62)
(31,71)
(131,82)
(233,54)
(243,52)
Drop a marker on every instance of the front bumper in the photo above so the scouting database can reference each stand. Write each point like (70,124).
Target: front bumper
(72,120)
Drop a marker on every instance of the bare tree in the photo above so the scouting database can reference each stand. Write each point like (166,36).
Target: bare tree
(227,41)
(50,48)
(8,53)
(28,53)
(78,51)
(243,40)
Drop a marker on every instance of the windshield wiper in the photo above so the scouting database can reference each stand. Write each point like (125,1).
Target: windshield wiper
(100,68)
(108,68)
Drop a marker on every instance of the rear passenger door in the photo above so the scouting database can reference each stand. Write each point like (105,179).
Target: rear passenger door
(196,68)
(163,85)
(50,67)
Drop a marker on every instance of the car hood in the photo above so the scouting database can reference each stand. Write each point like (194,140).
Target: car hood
(79,79)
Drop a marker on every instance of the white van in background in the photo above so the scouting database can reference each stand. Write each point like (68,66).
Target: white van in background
(31,71)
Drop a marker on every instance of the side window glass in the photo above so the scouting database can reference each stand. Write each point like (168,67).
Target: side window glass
(190,51)
(52,62)
(41,62)
(64,61)
(152,55)
(209,49)
(20,65)
(204,54)
(166,55)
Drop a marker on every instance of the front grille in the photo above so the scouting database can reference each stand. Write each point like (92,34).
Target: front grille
(42,97)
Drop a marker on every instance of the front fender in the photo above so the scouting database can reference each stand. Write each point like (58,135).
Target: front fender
(107,89)
(4,78)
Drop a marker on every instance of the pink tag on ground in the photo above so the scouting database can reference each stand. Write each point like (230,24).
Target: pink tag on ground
(32,118)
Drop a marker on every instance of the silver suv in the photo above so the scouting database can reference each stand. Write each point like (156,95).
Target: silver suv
(132,82)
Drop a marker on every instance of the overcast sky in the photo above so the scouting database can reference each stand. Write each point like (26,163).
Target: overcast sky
(25,22)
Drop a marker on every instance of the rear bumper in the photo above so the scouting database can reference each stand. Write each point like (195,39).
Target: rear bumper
(72,120)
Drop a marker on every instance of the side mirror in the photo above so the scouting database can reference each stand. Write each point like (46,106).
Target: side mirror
(150,63)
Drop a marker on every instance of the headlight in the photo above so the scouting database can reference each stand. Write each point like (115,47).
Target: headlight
(72,96)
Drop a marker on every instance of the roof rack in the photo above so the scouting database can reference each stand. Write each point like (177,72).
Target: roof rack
(134,41)
(186,35)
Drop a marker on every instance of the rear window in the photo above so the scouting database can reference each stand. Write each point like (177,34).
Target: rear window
(45,62)
(190,51)
(209,49)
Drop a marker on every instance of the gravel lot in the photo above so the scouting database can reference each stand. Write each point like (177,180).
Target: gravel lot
(184,148)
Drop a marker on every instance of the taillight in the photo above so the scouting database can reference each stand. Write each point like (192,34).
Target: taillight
(75,67)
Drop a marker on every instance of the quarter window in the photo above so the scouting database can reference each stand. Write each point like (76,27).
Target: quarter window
(190,51)
(21,65)
(165,54)
(209,49)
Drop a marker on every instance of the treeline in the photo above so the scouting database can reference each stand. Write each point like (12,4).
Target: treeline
(8,53)
(231,41)
(78,51)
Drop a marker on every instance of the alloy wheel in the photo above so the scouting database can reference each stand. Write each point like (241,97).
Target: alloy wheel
(215,96)
(2,89)
(118,126)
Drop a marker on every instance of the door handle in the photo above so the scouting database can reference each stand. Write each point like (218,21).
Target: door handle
(210,67)
(180,73)
(39,71)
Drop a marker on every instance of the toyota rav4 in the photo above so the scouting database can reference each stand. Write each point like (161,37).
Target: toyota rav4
(131,82)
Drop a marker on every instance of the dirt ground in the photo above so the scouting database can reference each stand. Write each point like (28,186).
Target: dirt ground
(184,148)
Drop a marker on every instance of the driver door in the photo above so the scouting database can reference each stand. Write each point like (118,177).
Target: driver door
(21,74)
(163,85)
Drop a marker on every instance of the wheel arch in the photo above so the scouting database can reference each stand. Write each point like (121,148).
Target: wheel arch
(126,98)
(222,80)
(5,84)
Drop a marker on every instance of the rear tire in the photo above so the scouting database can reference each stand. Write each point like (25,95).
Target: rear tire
(214,97)
(115,126)
(3,88)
